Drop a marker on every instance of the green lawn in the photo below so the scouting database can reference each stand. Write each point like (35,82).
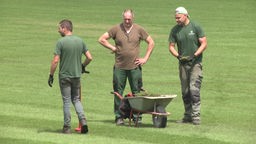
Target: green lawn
(31,111)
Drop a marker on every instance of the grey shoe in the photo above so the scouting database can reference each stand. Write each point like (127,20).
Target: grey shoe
(119,121)
(66,130)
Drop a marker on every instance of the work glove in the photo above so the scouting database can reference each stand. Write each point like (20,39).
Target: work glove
(186,59)
(191,58)
(50,80)
(83,69)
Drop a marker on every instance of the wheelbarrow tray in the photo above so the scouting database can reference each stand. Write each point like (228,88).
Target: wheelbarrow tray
(148,103)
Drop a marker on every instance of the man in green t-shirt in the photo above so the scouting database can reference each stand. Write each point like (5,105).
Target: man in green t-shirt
(69,51)
(127,37)
(191,42)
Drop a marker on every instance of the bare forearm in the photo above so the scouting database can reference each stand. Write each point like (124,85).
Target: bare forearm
(54,64)
(86,62)
(88,58)
(173,51)
(202,47)
(53,68)
(103,40)
(149,51)
(142,61)
(151,45)
(107,45)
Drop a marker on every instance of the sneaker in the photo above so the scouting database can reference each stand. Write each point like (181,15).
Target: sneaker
(185,120)
(66,130)
(84,129)
(119,121)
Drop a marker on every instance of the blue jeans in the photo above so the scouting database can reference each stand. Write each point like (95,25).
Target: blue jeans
(70,91)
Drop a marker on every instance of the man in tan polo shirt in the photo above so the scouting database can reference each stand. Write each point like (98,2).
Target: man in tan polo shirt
(127,37)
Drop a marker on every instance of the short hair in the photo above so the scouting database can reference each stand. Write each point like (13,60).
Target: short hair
(66,24)
(128,10)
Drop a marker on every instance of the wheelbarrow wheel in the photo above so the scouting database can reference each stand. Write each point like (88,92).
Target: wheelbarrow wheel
(159,121)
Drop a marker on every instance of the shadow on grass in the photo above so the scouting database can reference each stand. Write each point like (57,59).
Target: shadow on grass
(127,124)
(42,125)
(48,130)
(146,133)
(172,121)
(21,141)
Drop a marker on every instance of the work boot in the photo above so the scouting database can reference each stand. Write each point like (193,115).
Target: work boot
(66,130)
(185,120)
(84,129)
(196,121)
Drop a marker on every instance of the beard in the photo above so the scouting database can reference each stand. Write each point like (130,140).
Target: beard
(62,34)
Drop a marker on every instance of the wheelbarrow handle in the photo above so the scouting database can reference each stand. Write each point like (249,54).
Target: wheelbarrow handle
(117,94)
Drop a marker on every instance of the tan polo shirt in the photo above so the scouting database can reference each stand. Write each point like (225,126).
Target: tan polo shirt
(128,45)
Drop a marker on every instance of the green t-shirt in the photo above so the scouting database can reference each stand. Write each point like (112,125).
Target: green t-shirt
(128,45)
(70,49)
(187,39)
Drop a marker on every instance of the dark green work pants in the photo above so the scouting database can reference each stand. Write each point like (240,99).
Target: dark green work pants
(120,77)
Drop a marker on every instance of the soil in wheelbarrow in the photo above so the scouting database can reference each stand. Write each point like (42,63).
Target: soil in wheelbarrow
(146,93)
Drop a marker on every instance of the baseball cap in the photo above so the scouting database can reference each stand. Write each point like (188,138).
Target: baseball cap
(181,10)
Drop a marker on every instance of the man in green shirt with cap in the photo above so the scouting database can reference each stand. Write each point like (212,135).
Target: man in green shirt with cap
(191,42)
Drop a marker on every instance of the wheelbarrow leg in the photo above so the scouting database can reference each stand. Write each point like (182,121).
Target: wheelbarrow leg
(137,119)
(131,114)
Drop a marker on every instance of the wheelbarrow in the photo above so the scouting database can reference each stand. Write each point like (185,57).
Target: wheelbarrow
(154,105)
